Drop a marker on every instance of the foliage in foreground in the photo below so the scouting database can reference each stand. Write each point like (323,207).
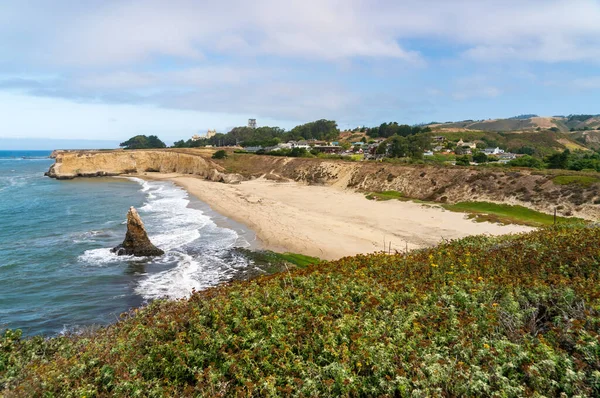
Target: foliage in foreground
(481,316)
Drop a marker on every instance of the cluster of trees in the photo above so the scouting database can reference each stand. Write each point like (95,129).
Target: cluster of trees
(324,130)
(267,136)
(143,142)
(411,146)
(566,160)
(391,129)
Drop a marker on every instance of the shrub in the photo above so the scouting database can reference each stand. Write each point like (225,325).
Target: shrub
(482,316)
(220,154)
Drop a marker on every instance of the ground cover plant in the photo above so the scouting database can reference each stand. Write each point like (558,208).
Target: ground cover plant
(385,195)
(508,214)
(482,316)
(585,181)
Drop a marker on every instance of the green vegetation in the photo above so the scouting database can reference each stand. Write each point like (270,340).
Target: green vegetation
(298,260)
(507,214)
(143,142)
(385,195)
(220,154)
(391,129)
(482,316)
(585,181)
(267,136)
(462,160)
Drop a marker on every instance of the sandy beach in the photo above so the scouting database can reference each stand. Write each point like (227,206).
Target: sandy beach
(328,222)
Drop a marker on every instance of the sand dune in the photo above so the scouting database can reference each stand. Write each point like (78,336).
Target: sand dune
(330,223)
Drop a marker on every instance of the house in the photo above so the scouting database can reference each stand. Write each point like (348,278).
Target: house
(428,153)
(300,144)
(507,156)
(493,151)
(327,148)
(438,148)
(463,144)
(438,139)
(284,146)
(253,149)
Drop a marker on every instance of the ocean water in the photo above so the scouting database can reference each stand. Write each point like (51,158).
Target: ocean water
(57,273)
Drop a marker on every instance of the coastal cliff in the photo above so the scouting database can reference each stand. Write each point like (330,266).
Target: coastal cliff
(538,190)
(72,164)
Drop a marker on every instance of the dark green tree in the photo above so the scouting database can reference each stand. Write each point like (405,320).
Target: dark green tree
(480,157)
(143,142)
(559,160)
(462,160)
(221,154)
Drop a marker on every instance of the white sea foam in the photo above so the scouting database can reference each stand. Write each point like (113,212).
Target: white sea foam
(173,227)
(101,257)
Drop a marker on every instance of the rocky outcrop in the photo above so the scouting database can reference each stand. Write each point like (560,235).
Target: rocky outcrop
(136,241)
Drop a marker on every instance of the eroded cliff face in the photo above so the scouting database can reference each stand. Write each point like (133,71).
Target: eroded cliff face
(71,164)
(441,184)
(528,188)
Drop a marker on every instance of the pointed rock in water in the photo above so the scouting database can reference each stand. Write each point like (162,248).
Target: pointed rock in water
(136,241)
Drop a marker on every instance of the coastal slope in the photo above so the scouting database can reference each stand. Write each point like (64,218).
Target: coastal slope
(543,191)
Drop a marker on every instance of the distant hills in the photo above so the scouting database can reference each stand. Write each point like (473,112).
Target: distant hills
(522,123)
(544,133)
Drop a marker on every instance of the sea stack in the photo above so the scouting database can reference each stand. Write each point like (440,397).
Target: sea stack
(136,241)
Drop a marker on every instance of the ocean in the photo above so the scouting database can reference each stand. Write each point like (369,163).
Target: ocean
(57,273)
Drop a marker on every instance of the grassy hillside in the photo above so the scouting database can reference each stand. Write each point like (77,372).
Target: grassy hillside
(544,142)
(562,123)
(482,316)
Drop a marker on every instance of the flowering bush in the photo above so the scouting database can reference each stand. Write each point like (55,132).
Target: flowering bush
(509,316)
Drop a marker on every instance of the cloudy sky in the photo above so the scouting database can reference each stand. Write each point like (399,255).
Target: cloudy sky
(110,69)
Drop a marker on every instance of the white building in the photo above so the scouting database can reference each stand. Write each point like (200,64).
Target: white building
(252,123)
(493,151)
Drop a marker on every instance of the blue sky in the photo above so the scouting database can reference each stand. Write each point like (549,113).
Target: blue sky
(110,69)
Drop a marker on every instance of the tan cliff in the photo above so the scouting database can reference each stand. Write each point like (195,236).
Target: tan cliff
(528,188)
(72,164)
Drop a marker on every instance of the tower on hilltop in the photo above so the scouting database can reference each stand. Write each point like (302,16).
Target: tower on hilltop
(252,123)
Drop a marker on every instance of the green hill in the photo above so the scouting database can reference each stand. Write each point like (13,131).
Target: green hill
(542,142)
(509,316)
(563,124)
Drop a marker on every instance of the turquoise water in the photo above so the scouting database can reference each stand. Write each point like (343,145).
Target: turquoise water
(56,270)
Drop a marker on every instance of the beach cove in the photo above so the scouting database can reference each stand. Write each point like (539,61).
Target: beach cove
(329,222)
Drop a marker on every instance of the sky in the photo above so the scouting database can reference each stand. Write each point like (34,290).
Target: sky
(111,69)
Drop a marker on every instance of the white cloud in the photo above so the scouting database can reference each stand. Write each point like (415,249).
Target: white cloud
(112,32)
(474,87)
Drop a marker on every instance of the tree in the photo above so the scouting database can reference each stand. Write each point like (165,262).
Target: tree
(462,160)
(559,160)
(527,161)
(319,130)
(382,148)
(221,154)
(480,157)
(143,142)
(398,147)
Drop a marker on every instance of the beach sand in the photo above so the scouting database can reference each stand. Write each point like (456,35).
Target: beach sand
(328,222)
